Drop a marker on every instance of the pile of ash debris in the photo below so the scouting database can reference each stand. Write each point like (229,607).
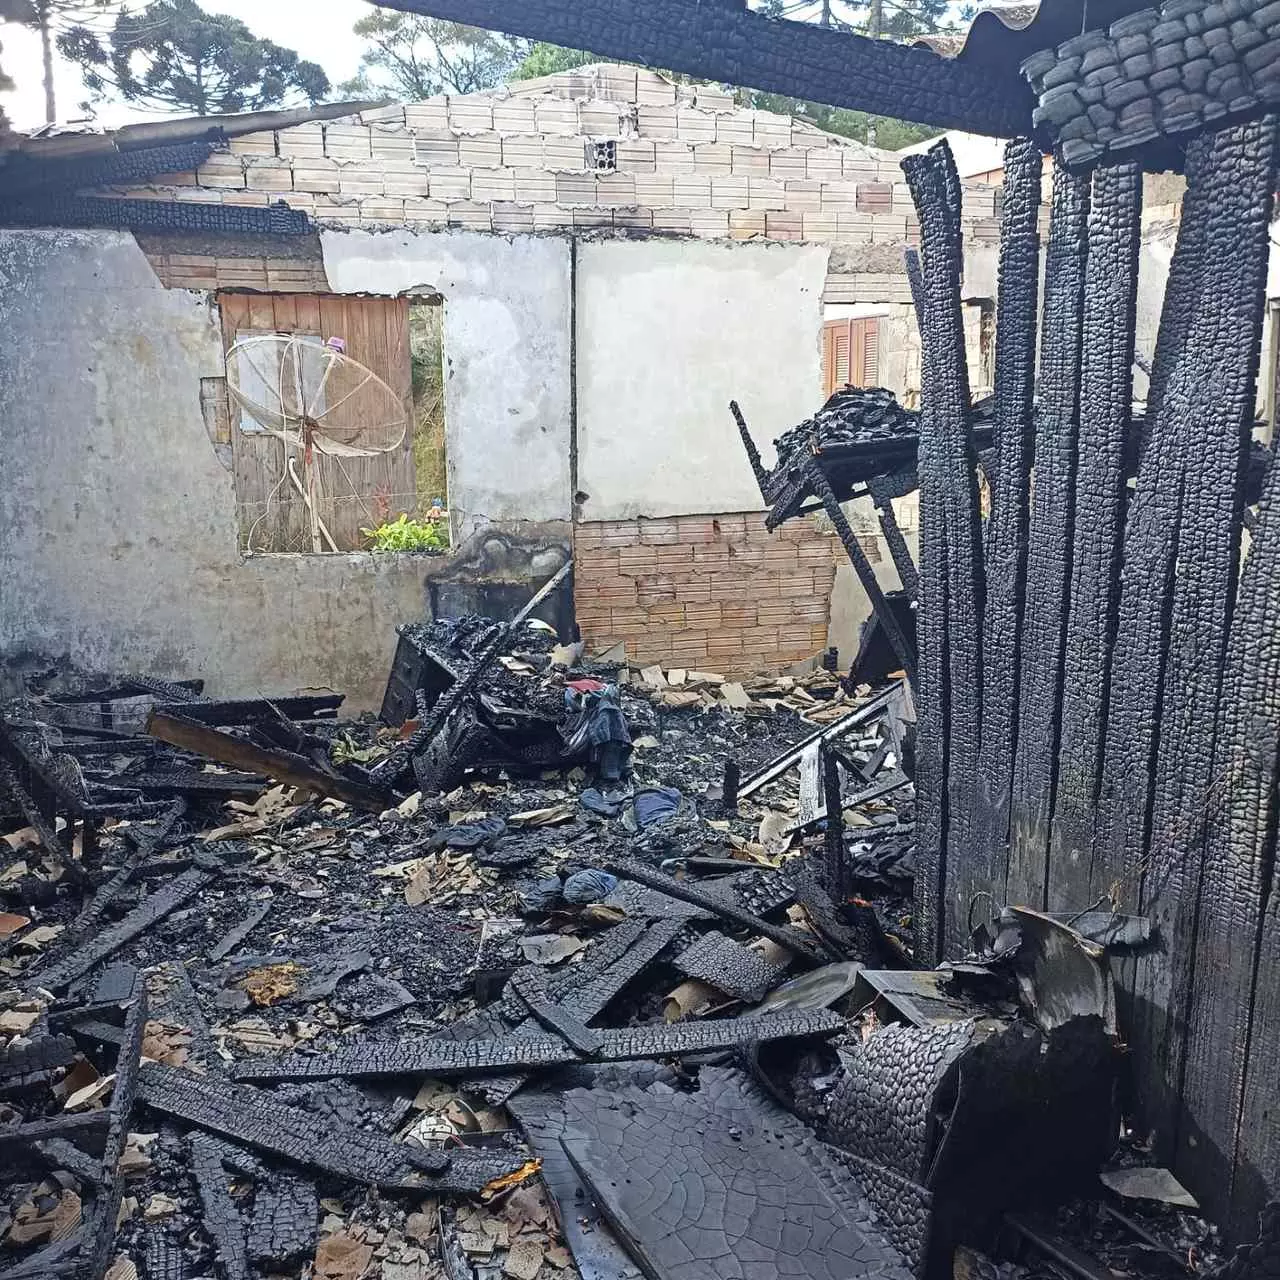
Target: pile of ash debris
(631,995)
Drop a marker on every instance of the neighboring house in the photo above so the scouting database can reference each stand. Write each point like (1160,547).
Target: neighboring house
(600,261)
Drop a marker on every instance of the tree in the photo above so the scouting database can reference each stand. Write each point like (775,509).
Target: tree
(54,17)
(548,59)
(173,55)
(411,57)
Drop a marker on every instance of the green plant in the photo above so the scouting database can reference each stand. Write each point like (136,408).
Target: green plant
(407,534)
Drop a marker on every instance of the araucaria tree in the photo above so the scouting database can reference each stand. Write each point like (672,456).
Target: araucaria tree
(174,56)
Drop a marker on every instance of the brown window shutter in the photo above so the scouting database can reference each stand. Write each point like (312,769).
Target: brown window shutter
(871,353)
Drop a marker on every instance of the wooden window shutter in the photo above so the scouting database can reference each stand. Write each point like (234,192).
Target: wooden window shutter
(850,354)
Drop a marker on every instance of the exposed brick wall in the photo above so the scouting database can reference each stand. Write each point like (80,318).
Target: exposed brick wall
(263,275)
(690,161)
(718,593)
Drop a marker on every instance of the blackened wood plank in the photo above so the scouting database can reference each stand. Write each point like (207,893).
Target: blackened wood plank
(1106,403)
(1005,542)
(1049,551)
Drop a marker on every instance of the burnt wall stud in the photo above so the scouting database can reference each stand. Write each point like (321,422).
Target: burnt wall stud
(1005,543)
(1106,396)
(1049,551)
(951,554)
(1231,178)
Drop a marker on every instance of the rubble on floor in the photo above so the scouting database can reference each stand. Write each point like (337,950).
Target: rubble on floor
(632,1001)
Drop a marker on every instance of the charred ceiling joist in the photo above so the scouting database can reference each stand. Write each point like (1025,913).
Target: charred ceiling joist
(731,44)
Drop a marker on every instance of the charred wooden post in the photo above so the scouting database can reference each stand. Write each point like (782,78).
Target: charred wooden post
(729,786)
(862,567)
(1005,543)
(1048,574)
(1106,398)
(833,838)
(951,569)
(753,454)
(882,494)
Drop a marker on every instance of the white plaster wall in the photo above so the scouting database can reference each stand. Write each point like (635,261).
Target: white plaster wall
(508,353)
(668,332)
(117,521)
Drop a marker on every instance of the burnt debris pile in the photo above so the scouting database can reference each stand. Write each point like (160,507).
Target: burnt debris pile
(561,967)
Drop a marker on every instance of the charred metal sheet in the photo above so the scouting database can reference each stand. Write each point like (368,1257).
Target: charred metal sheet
(531,987)
(904,1209)
(949,625)
(258,1119)
(1005,540)
(285,1215)
(1233,1047)
(1211,393)
(417,1056)
(149,912)
(221,1217)
(1048,573)
(723,1182)
(729,967)
(1106,399)
(804,952)
(596,1250)
(887,1106)
(205,740)
(162,1256)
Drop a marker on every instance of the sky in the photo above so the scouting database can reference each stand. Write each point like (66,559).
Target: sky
(320,30)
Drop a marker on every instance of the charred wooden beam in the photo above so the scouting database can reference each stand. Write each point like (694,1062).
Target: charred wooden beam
(258,1119)
(882,494)
(316,706)
(733,45)
(1048,576)
(555,1018)
(147,913)
(1005,543)
(805,953)
(285,1216)
(221,1216)
(862,567)
(407,1056)
(64,1126)
(837,867)
(1106,399)
(207,741)
(753,454)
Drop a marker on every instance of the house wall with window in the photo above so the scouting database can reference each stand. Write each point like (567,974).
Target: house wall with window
(613,257)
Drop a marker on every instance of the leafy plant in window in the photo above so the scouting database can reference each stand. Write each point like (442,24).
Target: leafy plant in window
(404,533)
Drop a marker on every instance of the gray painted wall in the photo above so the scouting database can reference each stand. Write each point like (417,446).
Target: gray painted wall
(119,530)
(507,353)
(668,332)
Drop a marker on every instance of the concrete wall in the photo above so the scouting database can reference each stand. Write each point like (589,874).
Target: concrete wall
(667,334)
(507,354)
(118,520)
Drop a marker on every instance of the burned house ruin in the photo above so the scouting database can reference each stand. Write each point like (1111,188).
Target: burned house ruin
(1025,888)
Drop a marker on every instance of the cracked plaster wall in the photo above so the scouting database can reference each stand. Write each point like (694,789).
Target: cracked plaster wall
(117,520)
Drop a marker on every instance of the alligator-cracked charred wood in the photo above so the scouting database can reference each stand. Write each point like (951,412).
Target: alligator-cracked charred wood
(422,1056)
(1048,575)
(949,626)
(1005,541)
(806,955)
(1106,397)
(257,1119)
(1211,391)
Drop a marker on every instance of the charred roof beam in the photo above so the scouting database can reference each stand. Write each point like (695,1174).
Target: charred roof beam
(732,45)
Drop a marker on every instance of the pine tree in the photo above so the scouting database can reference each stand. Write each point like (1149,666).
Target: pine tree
(174,56)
